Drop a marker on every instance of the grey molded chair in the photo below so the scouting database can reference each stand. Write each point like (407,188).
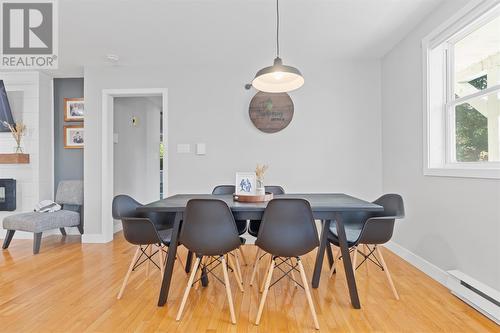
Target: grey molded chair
(371,229)
(209,231)
(241,225)
(253,229)
(140,230)
(70,196)
(287,232)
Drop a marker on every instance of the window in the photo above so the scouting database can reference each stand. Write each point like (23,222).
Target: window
(462,78)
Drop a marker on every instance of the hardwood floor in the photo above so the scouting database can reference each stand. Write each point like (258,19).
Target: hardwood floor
(70,287)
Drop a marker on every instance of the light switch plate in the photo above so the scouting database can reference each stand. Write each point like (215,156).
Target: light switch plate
(115,137)
(183,148)
(201,149)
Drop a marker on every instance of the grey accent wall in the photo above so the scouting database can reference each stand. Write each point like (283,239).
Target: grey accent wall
(68,163)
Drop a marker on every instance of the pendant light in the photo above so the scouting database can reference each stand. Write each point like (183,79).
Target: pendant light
(278,77)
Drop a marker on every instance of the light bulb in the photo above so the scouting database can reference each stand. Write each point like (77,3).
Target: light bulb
(278,75)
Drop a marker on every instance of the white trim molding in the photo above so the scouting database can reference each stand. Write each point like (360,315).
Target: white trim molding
(107,224)
(438,143)
(420,263)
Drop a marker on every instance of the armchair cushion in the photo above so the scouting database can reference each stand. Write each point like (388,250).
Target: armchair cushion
(38,222)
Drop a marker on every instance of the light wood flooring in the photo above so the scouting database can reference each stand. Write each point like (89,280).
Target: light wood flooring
(72,287)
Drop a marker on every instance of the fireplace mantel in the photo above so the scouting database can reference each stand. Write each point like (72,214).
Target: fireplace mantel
(14,158)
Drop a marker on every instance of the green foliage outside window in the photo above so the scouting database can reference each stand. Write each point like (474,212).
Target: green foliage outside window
(471,134)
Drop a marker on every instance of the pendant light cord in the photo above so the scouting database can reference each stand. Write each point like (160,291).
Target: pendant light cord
(277,29)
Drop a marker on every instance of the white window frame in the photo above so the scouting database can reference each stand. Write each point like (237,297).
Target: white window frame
(438,87)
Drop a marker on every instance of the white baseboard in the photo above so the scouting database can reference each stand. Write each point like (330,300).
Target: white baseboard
(428,268)
(100,238)
(96,238)
(117,227)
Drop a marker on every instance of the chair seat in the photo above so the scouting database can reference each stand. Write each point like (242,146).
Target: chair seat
(38,222)
(352,233)
(165,235)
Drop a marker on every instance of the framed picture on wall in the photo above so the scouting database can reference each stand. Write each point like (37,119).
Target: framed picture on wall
(73,136)
(245,183)
(74,109)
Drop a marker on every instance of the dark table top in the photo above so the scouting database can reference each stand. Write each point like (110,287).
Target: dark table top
(320,202)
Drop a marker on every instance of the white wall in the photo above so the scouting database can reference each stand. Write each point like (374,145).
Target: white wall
(453,223)
(333,143)
(30,98)
(137,151)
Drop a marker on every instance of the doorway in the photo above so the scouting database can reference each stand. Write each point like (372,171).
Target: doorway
(134,159)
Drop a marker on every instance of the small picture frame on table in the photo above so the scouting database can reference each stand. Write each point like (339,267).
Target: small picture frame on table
(245,183)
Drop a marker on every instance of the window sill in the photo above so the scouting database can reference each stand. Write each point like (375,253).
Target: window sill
(483,173)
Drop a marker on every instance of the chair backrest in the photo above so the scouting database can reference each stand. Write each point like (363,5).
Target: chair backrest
(379,228)
(140,231)
(274,189)
(208,228)
(224,189)
(393,205)
(70,192)
(124,206)
(287,228)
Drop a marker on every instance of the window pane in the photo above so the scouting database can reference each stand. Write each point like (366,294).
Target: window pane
(477,133)
(477,59)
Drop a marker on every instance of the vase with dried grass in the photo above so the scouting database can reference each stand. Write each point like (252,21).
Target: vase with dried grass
(17,130)
(260,170)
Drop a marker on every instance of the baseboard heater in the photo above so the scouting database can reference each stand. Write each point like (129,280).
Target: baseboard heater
(478,295)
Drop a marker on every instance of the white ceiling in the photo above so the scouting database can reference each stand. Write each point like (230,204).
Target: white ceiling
(218,31)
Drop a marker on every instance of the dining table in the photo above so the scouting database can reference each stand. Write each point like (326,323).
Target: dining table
(327,207)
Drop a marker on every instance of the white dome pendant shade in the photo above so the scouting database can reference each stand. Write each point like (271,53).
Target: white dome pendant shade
(278,78)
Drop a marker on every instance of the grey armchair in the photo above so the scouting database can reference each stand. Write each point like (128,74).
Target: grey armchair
(69,195)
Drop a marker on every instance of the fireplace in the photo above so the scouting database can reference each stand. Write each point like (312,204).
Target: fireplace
(7,194)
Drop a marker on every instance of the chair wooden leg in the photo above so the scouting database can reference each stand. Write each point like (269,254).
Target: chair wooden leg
(235,271)
(160,256)
(242,255)
(63,232)
(354,259)
(386,270)
(203,261)
(188,288)
(255,266)
(238,267)
(265,291)
(292,273)
(308,293)
(149,249)
(228,289)
(37,240)
(263,280)
(127,276)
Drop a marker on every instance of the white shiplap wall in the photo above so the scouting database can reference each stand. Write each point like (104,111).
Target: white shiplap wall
(30,98)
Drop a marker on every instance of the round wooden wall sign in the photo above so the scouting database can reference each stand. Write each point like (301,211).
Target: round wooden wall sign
(271,112)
